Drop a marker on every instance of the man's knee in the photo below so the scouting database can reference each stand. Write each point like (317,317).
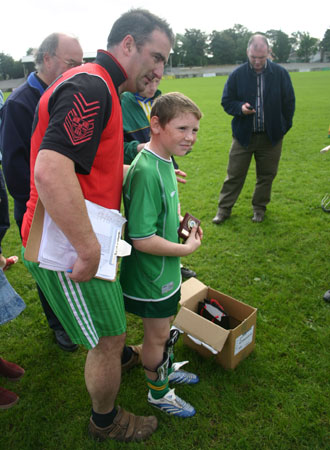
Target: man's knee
(111,344)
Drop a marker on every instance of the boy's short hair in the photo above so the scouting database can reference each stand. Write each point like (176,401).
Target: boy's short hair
(168,106)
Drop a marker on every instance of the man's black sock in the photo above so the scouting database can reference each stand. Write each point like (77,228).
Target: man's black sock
(126,355)
(103,420)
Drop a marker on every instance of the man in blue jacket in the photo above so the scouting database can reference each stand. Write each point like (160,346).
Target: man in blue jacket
(260,96)
(57,53)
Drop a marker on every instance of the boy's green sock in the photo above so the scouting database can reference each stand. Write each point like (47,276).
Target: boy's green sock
(158,388)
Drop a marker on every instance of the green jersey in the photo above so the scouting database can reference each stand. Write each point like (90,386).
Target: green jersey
(151,207)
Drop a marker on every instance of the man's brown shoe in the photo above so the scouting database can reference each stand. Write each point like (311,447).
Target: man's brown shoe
(10,370)
(7,398)
(258,216)
(126,427)
(135,359)
(220,218)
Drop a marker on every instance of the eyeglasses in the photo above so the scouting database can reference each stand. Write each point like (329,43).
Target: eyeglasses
(72,63)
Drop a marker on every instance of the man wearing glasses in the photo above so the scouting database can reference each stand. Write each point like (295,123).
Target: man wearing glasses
(57,53)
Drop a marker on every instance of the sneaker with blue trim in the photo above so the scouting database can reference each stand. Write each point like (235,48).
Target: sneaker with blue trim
(179,376)
(172,404)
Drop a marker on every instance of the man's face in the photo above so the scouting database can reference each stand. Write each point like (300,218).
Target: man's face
(68,54)
(150,89)
(179,135)
(258,56)
(148,61)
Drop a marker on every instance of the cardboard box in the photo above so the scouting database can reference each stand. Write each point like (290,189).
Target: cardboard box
(228,347)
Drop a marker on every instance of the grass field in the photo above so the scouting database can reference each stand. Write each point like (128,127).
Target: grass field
(278,398)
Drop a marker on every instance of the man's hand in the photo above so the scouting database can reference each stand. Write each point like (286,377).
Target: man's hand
(180,174)
(248,109)
(60,193)
(86,266)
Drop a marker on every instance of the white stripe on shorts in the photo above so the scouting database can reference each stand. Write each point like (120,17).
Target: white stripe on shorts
(79,304)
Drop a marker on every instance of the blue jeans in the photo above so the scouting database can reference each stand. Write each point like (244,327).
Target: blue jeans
(11,304)
(4,212)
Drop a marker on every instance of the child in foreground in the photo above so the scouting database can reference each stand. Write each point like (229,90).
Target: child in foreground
(150,276)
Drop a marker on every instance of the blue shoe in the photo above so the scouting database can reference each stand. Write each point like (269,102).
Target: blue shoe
(179,376)
(172,404)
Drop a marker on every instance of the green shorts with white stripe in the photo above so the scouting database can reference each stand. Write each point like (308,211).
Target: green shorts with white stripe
(87,311)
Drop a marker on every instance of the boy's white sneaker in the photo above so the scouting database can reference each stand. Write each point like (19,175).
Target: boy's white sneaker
(179,376)
(172,404)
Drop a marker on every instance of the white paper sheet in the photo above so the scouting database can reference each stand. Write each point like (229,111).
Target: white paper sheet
(56,252)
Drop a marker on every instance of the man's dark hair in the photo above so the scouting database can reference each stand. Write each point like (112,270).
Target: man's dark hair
(139,23)
(49,45)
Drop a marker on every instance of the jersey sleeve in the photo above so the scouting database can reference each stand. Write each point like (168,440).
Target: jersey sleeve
(79,110)
(142,203)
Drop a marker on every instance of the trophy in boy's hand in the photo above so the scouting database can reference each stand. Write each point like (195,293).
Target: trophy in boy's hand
(187,224)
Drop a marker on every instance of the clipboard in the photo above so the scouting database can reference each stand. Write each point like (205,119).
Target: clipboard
(33,243)
(35,236)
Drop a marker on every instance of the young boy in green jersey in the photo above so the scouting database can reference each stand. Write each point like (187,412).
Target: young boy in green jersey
(150,276)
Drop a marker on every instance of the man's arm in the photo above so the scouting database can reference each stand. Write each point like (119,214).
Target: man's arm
(61,195)
(288,100)
(229,101)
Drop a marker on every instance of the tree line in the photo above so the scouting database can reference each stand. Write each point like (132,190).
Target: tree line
(196,48)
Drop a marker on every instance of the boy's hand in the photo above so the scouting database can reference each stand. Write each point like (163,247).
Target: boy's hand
(194,240)
(200,232)
(180,174)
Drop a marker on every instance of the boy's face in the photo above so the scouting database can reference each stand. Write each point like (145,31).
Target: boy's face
(178,136)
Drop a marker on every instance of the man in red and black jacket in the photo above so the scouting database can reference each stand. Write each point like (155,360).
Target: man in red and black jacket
(77,155)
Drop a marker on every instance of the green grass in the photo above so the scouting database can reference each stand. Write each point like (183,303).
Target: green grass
(278,398)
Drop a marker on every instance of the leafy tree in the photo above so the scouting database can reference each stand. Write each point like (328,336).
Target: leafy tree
(222,48)
(229,46)
(6,66)
(280,45)
(177,56)
(325,44)
(241,36)
(18,70)
(305,44)
(10,68)
(194,47)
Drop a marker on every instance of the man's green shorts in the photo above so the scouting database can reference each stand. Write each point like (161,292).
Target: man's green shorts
(88,310)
